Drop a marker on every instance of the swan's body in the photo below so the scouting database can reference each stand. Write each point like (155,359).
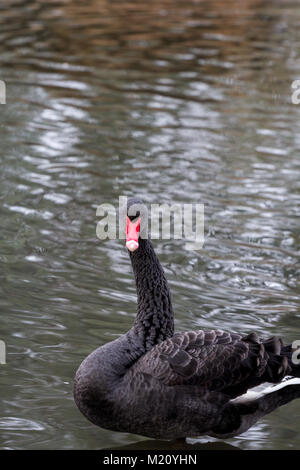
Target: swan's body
(153,382)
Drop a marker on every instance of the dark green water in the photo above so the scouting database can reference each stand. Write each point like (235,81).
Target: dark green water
(186,102)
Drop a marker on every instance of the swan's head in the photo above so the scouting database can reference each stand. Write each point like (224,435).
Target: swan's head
(135,211)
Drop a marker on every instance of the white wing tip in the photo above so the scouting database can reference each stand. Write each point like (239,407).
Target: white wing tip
(254,395)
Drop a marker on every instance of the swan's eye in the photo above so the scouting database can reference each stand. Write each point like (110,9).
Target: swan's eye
(132,234)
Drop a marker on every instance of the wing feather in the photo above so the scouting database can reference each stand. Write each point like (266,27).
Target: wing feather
(215,360)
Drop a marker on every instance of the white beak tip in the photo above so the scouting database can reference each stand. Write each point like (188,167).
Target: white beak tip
(132,245)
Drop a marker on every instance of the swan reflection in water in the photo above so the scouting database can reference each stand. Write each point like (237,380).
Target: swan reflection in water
(177,444)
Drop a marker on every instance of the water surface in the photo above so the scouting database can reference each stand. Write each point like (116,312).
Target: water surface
(186,102)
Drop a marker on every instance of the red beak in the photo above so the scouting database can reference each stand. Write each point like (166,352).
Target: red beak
(132,234)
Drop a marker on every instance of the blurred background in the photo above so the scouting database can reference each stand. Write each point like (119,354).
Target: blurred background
(186,102)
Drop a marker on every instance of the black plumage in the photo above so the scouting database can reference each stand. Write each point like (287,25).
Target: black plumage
(153,382)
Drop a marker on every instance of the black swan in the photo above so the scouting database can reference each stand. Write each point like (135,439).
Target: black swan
(153,382)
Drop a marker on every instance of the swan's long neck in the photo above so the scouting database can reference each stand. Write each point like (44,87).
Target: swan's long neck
(155,318)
